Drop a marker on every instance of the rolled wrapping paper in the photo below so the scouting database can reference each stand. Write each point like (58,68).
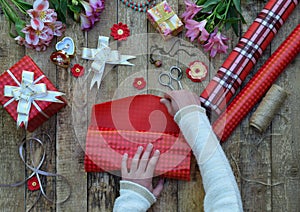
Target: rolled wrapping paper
(244,56)
(268,107)
(256,88)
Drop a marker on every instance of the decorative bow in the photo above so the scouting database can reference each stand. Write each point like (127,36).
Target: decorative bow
(26,93)
(29,156)
(102,55)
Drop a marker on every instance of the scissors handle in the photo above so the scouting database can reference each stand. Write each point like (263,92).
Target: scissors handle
(167,83)
(176,76)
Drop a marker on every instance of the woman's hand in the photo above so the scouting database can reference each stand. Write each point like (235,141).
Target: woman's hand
(175,100)
(142,169)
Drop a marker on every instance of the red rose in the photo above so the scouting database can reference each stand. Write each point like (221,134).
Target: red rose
(120,31)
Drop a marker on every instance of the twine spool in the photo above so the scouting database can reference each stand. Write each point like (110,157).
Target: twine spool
(268,107)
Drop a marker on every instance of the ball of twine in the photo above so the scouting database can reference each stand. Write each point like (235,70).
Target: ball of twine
(268,107)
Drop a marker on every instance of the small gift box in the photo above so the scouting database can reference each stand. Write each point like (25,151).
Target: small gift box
(121,126)
(28,95)
(164,19)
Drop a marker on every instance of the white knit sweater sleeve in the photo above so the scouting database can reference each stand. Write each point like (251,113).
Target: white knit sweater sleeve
(133,198)
(222,193)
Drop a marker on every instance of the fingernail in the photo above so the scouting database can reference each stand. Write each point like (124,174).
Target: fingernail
(125,155)
(157,152)
(140,148)
(150,145)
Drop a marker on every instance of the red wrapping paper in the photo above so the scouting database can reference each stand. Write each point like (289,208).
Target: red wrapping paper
(244,56)
(36,118)
(256,88)
(120,126)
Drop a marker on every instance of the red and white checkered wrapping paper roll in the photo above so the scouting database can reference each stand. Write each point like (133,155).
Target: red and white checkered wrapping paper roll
(244,56)
(256,88)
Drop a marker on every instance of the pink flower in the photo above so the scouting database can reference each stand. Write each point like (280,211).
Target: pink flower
(216,43)
(58,28)
(40,14)
(85,22)
(87,7)
(20,40)
(194,28)
(97,5)
(191,9)
(33,36)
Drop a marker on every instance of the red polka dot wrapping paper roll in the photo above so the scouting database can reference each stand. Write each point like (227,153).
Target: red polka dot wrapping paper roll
(256,88)
(244,56)
(120,126)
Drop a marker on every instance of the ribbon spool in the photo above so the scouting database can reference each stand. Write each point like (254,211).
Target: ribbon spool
(268,107)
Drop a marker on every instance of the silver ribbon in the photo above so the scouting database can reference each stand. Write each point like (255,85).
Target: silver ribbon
(26,93)
(102,55)
(36,168)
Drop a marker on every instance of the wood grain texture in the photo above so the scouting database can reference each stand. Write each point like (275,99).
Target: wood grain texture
(265,165)
(11,166)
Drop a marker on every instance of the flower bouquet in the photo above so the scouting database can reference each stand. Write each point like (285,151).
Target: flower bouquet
(205,19)
(35,25)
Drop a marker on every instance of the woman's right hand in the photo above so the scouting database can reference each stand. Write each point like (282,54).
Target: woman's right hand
(175,100)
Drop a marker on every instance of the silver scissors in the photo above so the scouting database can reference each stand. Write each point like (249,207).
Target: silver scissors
(174,74)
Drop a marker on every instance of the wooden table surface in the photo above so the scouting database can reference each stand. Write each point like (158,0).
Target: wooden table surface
(266,165)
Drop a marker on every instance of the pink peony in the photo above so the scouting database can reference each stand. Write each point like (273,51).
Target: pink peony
(194,28)
(191,9)
(217,43)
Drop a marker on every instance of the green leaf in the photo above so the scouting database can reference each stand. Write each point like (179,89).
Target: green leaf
(221,7)
(74,8)
(210,2)
(22,5)
(227,26)
(19,26)
(233,20)
(237,4)
(208,9)
(63,9)
(235,27)
(200,2)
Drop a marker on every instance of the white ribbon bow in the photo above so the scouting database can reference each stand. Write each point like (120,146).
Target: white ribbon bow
(102,55)
(26,93)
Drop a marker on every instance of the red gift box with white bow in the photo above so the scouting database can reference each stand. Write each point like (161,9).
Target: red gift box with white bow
(28,95)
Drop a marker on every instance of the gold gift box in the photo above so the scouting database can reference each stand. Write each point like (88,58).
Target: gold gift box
(165,20)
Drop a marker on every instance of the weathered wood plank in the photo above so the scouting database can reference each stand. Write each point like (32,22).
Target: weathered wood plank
(285,127)
(190,194)
(252,158)
(103,187)
(68,147)
(168,199)
(11,166)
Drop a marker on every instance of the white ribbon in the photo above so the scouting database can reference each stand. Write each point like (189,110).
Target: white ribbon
(102,55)
(26,93)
